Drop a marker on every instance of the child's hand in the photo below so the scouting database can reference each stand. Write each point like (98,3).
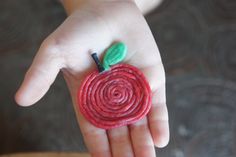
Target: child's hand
(94,27)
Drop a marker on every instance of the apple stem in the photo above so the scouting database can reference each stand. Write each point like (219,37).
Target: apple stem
(98,63)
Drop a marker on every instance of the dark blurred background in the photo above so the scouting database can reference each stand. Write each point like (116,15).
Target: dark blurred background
(197,41)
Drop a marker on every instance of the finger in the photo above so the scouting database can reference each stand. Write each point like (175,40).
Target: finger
(39,77)
(158,114)
(120,142)
(95,138)
(158,119)
(141,139)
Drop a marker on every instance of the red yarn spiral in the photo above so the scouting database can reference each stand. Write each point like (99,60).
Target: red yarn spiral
(114,98)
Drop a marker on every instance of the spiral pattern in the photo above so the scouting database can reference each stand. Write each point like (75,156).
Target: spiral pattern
(117,97)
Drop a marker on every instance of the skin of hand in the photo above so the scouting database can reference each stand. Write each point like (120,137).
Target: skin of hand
(95,27)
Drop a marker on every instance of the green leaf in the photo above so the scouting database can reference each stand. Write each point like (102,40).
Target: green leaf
(115,54)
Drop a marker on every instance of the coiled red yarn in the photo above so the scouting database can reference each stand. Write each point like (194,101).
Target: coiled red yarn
(114,98)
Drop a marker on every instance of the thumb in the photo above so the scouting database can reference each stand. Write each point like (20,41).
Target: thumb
(41,74)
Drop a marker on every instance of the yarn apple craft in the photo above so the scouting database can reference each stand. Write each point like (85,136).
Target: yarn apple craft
(116,94)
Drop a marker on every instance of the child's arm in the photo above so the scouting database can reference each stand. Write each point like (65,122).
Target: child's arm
(95,25)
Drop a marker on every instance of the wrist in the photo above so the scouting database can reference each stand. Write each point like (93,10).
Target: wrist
(74,5)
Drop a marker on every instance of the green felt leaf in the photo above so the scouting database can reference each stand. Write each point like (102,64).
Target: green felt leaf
(115,54)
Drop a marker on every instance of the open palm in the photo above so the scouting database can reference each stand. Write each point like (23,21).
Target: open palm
(95,28)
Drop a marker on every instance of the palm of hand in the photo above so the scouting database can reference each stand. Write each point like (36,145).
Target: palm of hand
(67,49)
